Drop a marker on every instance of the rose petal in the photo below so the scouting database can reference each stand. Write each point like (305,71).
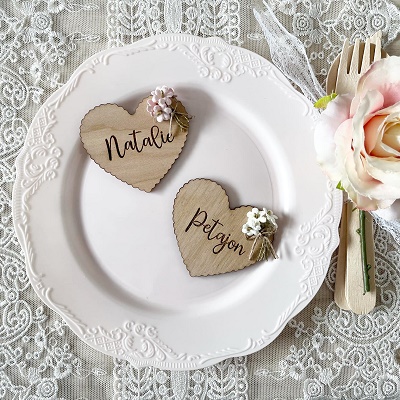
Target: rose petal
(324,136)
(369,104)
(373,130)
(383,75)
(361,181)
(390,110)
(388,143)
(387,170)
(366,203)
(354,175)
(343,150)
(392,138)
(364,183)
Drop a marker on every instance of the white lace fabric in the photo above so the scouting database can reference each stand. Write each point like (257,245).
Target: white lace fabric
(324,353)
(40,358)
(225,380)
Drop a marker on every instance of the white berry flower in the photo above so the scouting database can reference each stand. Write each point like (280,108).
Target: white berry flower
(270,216)
(251,227)
(257,214)
(257,220)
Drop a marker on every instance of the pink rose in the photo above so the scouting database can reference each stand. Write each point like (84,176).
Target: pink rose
(358,138)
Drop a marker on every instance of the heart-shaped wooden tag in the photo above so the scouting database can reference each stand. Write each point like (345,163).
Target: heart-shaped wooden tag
(208,232)
(134,148)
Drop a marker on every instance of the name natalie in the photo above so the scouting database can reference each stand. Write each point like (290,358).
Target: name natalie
(156,138)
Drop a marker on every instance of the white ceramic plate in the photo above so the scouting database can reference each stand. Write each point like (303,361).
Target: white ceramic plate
(104,254)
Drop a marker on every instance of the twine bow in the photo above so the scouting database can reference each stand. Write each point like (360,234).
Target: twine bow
(265,235)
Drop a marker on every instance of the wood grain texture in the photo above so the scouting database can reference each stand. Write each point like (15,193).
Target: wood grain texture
(208,232)
(134,148)
(340,289)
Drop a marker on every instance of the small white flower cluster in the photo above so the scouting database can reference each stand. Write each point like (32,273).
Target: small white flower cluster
(159,106)
(257,220)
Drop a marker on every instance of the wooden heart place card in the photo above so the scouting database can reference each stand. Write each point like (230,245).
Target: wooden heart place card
(138,149)
(212,238)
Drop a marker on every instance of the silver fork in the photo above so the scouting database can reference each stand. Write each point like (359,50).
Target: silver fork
(349,294)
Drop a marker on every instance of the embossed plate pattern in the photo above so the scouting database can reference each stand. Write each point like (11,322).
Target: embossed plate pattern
(104,254)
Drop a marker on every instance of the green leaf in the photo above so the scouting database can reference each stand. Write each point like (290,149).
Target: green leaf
(324,101)
(339,186)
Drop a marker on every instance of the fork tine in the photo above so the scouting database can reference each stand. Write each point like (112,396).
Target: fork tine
(376,37)
(355,59)
(344,59)
(366,60)
(378,46)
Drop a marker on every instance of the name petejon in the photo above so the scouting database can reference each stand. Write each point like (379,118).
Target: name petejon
(199,220)
(156,138)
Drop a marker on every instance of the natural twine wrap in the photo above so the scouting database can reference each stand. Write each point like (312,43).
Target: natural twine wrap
(266,235)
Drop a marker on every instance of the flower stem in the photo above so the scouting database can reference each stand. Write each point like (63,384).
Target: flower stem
(365,266)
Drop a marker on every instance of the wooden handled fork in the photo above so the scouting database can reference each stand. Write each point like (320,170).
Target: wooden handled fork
(343,78)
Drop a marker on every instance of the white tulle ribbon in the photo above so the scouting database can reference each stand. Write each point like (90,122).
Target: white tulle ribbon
(288,53)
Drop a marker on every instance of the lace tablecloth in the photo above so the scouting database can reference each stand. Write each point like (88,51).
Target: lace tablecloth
(324,353)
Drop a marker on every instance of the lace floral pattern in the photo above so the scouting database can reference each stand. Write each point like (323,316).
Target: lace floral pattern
(225,381)
(130,20)
(37,357)
(44,360)
(32,54)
